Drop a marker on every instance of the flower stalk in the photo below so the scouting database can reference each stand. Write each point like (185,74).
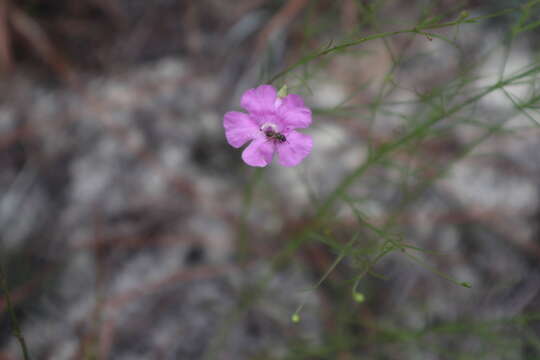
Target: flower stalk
(13,317)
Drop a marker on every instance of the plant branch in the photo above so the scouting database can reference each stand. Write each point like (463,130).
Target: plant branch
(14,322)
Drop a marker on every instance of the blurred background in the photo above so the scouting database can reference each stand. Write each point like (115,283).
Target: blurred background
(130,229)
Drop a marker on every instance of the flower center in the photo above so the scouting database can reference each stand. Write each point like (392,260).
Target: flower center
(269,127)
(271,133)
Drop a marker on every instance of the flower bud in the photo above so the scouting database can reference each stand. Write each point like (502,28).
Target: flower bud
(283,91)
(359,297)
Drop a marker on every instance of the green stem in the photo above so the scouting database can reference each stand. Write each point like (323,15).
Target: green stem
(243,244)
(415,30)
(14,322)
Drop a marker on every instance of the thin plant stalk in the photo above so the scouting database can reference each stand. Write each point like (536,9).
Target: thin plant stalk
(243,243)
(13,317)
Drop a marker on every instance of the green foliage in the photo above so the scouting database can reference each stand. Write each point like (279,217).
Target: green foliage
(436,113)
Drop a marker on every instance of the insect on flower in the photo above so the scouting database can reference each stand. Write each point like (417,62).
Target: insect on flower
(270,127)
(272,135)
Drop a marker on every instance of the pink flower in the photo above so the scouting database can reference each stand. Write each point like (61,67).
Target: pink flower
(270,126)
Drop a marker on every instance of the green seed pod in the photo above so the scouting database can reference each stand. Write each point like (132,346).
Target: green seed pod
(463,15)
(359,297)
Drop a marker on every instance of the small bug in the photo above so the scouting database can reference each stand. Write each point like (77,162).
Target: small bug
(271,134)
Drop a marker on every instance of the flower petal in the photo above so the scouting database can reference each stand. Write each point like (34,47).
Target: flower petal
(293,113)
(293,100)
(295,149)
(259,100)
(239,128)
(259,152)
